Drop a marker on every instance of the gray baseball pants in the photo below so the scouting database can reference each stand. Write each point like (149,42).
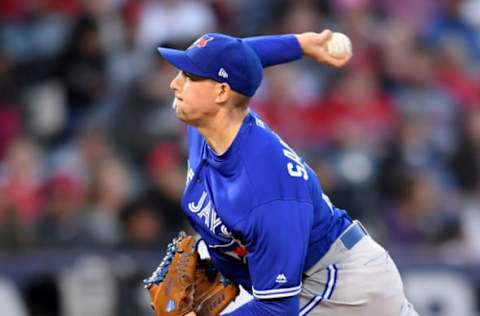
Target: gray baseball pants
(356,277)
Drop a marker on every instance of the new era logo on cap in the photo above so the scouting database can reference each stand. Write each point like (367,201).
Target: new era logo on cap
(223,73)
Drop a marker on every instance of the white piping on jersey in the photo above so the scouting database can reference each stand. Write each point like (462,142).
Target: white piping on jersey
(328,202)
(224,245)
(277,293)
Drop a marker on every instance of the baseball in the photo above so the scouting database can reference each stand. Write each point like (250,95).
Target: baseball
(339,45)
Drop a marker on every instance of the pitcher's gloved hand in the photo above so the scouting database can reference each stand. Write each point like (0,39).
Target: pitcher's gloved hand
(183,283)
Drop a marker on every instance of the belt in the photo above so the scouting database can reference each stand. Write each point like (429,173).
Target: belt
(353,234)
(349,238)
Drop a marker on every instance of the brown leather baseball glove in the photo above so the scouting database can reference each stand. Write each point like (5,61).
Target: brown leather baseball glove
(213,291)
(172,284)
(183,283)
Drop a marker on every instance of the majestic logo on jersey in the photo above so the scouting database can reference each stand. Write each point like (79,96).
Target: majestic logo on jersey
(281,278)
(202,41)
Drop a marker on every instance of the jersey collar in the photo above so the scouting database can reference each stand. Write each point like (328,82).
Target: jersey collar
(217,160)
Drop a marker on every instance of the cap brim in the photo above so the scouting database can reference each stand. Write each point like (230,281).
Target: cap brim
(180,60)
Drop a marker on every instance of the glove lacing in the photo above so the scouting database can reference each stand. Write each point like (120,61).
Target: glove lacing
(159,274)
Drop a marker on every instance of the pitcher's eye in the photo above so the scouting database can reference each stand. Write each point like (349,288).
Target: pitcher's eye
(193,77)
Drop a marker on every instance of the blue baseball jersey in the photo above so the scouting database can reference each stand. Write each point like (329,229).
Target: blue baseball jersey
(260,209)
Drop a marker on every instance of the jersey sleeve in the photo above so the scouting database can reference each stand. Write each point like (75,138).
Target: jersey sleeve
(277,240)
(275,49)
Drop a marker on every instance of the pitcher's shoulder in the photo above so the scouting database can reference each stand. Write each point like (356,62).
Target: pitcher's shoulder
(262,147)
(273,167)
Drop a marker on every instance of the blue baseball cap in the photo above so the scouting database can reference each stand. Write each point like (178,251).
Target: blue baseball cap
(221,58)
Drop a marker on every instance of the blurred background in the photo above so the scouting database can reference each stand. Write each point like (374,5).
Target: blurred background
(92,159)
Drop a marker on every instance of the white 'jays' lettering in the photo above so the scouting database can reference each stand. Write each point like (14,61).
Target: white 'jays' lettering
(195,208)
(206,212)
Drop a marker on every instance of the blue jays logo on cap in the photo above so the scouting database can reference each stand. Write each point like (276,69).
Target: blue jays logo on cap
(202,41)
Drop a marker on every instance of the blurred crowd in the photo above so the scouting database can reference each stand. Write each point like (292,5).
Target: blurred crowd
(91,155)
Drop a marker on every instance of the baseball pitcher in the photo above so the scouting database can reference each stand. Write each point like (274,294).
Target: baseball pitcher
(257,204)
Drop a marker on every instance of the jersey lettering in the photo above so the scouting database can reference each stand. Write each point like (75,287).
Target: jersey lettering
(292,155)
(206,212)
(195,208)
(225,232)
(296,169)
(215,221)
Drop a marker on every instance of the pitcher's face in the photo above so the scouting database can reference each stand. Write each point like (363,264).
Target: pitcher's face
(194,97)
